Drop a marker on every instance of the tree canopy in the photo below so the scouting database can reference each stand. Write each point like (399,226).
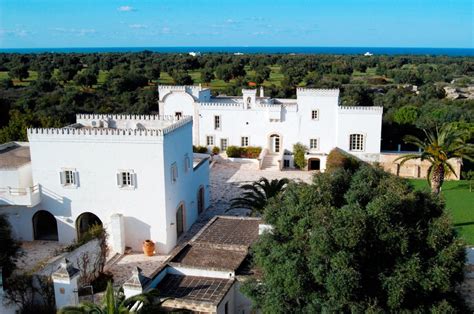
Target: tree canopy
(357,242)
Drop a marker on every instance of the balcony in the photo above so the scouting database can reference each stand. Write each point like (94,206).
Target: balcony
(20,196)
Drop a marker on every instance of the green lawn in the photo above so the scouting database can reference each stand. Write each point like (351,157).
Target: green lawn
(460,204)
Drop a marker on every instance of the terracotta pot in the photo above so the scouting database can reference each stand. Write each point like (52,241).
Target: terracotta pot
(148,247)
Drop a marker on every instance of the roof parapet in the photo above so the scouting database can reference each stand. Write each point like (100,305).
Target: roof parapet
(302,91)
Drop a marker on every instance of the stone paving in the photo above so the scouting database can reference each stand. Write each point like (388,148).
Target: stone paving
(36,254)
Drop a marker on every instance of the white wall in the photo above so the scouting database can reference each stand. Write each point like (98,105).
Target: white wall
(230,300)
(148,210)
(332,128)
(185,189)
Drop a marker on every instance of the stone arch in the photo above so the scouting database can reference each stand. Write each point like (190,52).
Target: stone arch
(85,221)
(172,93)
(314,164)
(45,226)
(201,199)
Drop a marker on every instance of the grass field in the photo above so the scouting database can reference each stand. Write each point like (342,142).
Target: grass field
(460,205)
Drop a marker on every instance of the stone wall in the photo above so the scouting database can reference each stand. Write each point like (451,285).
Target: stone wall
(413,168)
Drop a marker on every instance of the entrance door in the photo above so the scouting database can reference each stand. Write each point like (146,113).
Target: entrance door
(200,200)
(275,143)
(180,220)
(45,226)
(314,164)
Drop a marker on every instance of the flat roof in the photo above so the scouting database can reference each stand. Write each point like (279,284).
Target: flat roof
(14,156)
(192,288)
(203,256)
(229,231)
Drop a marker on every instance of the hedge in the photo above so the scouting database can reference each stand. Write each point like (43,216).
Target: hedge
(243,152)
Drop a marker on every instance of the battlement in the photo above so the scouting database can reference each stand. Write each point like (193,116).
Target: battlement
(78,130)
(301,91)
(220,104)
(360,109)
(123,121)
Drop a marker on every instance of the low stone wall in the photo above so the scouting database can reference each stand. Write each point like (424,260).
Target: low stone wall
(413,168)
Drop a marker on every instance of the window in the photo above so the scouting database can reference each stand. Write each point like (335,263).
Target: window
(178,115)
(187,163)
(244,141)
(356,142)
(315,114)
(68,178)
(226,308)
(126,179)
(249,101)
(224,144)
(217,122)
(286,163)
(174,172)
(313,143)
(210,140)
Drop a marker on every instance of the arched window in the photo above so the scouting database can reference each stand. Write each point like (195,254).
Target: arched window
(45,226)
(356,142)
(249,102)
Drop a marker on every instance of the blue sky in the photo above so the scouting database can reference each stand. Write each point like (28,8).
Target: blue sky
(111,23)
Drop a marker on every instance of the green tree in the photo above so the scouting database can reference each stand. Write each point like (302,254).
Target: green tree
(439,146)
(8,247)
(182,78)
(406,115)
(356,243)
(207,75)
(114,302)
(257,194)
(86,78)
(19,71)
(299,151)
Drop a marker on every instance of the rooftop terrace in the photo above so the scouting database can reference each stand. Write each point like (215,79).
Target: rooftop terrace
(14,155)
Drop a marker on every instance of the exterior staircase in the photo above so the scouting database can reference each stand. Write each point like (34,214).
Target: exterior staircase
(270,162)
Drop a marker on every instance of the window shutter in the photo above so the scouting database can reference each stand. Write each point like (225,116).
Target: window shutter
(133,178)
(76,178)
(62,177)
(119,179)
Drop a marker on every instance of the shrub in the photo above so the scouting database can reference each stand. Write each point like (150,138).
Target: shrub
(233,151)
(251,152)
(338,159)
(299,151)
(243,152)
(200,149)
(216,150)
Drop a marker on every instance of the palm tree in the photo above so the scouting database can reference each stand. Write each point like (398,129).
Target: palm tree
(258,193)
(114,302)
(439,146)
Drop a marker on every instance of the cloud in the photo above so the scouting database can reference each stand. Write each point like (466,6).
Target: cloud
(165,30)
(125,8)
(14,32)
(137,26)
(74,31)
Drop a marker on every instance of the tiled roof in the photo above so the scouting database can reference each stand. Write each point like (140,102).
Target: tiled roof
(194,288)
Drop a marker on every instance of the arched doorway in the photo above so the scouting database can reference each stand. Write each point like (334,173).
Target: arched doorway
(85,221)
(274,143)
(314,164)
(200,199)
(180,220)
(45,226)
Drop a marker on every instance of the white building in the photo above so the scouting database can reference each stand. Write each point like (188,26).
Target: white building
(314,119)
(133,174)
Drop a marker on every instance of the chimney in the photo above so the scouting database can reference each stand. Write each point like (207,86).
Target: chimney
(261,91)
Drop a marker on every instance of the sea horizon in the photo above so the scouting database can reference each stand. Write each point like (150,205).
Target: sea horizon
(257,50)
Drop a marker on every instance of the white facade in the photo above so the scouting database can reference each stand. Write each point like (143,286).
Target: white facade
(314,119)
(137,168)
